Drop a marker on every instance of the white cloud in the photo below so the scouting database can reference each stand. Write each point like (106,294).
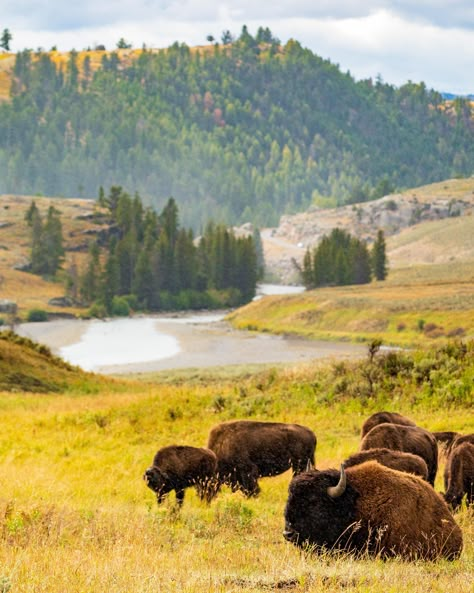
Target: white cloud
(399,39)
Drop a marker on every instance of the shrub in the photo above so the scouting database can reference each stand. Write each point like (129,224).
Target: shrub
(420,324)
(120,307)
(37,315)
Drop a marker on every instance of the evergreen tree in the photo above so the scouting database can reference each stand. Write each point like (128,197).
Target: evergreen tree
(90,283)
(379,257)
(5,39)
(52,238)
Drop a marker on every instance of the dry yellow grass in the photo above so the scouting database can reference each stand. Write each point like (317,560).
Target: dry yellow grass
(76,516)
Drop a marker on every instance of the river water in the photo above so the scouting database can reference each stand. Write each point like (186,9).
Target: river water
(160,342)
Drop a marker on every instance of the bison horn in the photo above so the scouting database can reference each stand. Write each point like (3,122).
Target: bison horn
(309,466)
(339,489)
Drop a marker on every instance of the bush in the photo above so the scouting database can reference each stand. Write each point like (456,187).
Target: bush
(120,307)
(37,315)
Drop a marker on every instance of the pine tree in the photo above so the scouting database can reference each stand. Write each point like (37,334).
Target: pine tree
(379,257)
(52,238)
(90,284)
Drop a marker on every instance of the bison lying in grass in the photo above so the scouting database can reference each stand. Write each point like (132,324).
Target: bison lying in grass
(410,439)
(403,462)
(459,475)
(178,467)
(370,509)
(247,450)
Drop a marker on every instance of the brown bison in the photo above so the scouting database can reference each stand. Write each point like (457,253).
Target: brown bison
(382,418)
(370,509)
(459,475)
(247,450)
(410,439)
(451,440)
(403,462)
(178,467)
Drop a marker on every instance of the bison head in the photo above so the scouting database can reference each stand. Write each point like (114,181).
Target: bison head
(321,510)
(156,480)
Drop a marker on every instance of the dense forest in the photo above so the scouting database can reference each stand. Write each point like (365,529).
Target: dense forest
(147,261)
(239,132)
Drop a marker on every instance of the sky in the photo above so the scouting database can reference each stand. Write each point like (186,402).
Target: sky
(400,41)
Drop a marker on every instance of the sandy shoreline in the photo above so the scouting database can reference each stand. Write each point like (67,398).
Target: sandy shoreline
(201,344)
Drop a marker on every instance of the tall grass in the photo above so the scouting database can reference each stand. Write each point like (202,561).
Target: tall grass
(75,514)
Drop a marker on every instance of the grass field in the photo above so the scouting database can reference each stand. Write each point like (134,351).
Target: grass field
(76,516)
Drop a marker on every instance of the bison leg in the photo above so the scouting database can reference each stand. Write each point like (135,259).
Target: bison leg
(179,496)
(249,482)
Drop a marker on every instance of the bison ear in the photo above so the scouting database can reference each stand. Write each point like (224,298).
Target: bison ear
(339,489)
(309,466)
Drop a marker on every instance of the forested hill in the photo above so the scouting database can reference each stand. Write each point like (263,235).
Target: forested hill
(242,132)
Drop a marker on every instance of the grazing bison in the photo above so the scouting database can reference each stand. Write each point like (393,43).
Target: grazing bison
(370,508)
(449,440)
(459,475)
(248,450)
(178,467)
(382,418)
(403,462)
(410,439)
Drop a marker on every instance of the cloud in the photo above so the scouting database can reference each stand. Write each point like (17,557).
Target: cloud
(398,39)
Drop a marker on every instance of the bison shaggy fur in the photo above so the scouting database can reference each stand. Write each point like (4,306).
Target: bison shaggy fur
(247,450)
(379,511)
(382,418)
(459,475)
(410,439)
(178,467)
(403,462)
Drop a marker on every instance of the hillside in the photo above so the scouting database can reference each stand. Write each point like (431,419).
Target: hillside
(237,133)
(431,224)
(30,291)
(26,366)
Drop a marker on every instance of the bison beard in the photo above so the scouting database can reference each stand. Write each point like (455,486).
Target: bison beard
(378,511)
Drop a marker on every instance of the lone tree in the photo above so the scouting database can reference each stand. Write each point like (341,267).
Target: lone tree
(5,39)
(379,257)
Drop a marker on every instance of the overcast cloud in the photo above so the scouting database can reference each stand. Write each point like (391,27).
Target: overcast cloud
(422,40)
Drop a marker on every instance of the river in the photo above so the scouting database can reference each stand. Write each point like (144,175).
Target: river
(159,342)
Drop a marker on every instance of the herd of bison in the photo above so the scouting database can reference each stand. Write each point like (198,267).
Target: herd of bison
(381,501)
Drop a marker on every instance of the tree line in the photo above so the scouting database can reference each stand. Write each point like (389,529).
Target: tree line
(245,131)
(147,261)
(341,259)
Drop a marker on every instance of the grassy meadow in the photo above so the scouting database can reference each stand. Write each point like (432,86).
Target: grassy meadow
(76,515)
(415,306)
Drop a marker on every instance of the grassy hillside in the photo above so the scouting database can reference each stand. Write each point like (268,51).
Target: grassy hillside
(414,306)
(76,515)
(28,366)
(28,290)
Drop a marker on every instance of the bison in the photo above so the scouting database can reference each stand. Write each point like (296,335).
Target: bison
(247,450)
(410,439)
(178,467)
(370,508)
(382,418)
(403,462)
(459,475)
